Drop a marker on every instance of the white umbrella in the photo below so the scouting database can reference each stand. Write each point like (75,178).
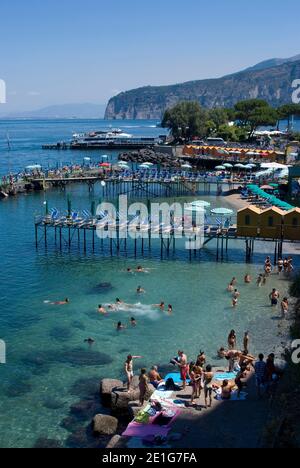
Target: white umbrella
(222,211)
(252,153)
(148,164)
(240,166)
(186,166)
(144,166)
(228,165)
(248,166)
(220,168)
(122,163)
(104,156)
(201,203)
(273,165)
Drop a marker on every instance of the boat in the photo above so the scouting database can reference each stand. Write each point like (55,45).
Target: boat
(113,138)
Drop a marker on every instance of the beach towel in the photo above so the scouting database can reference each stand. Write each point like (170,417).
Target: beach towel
(225,376)
(234,396)
(145,430)
(161,394)
(176,377)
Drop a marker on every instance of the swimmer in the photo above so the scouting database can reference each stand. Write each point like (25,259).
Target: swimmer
(248,279)
(140,290)
(101,310)
(129,270)
(112,307)
(90,341)
(259,280)
(235,301)
(133,322)
(140,269)
(120,326)
(280,266)
(59,303)
(161,306)
(170,309)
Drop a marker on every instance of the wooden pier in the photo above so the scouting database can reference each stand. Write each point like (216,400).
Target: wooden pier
(114,186)
(65,234)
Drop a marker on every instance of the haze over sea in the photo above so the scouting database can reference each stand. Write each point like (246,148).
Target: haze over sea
(49,367)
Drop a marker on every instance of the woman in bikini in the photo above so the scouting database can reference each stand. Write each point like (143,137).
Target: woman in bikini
(208,385)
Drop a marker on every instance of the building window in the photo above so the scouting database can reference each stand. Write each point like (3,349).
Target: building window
(271,221)
(295,222)
(247,220)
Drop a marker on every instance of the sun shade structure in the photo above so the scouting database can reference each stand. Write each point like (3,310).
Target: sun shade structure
(220,168)
(222,211)
(201,203)
(228,165)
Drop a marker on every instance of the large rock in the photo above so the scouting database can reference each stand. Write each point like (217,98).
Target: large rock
(107,386)
(120,400)
(117,441)
(105,425)
(134,408)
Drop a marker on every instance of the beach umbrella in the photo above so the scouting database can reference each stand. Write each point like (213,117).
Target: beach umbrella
(239,166)
(267,187)
(124,166)
(144,166)
(220,168)
(105,165)
(228,165)
(223,151)
(201,203)
(186,166)
(249,166)
(273,165)
(104,156)
(149,164)
(222,211)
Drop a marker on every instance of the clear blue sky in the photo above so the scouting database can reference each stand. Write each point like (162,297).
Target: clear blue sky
(65,51)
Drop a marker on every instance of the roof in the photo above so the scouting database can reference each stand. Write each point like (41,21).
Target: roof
(252,208)
(274,209)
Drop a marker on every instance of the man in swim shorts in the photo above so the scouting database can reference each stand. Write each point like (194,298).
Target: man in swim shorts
(274,296)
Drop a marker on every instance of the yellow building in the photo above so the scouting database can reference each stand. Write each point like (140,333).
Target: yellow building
(292,224)
(248,220)
(271,223)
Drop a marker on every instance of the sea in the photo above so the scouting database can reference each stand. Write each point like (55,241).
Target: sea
(49,385)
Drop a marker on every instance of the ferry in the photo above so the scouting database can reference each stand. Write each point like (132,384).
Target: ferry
(113,138)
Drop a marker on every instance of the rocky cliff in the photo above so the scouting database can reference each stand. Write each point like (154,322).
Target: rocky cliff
(272,84)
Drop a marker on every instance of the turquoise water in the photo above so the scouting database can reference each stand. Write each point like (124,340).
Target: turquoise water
(49,367)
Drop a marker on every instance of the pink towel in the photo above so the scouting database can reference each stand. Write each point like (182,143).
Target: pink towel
(145,430)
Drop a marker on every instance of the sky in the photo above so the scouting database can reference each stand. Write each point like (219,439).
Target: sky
(74,51)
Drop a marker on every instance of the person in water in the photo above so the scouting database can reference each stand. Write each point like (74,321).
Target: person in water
(232,340)
(170,309)
(284,307)
(161,306)
(274,297)
(248,279)
(133,322)
(59,303)
(120,326)
(259,280)
(101,310)
(89,341)
(140,290)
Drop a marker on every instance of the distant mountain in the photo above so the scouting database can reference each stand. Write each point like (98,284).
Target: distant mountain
(63,111)
(273,63)
(268,80)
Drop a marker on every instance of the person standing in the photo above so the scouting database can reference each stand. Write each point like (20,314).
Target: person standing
(208,377)
(284,307)
(183,366)
(143,385)
(260,373)
(129,368)
(246,343)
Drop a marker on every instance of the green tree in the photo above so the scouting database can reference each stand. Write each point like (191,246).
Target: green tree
(254,113)
(287,111)
(186,120)
(218,117)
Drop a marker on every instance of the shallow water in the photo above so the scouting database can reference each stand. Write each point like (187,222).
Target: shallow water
(49,367)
